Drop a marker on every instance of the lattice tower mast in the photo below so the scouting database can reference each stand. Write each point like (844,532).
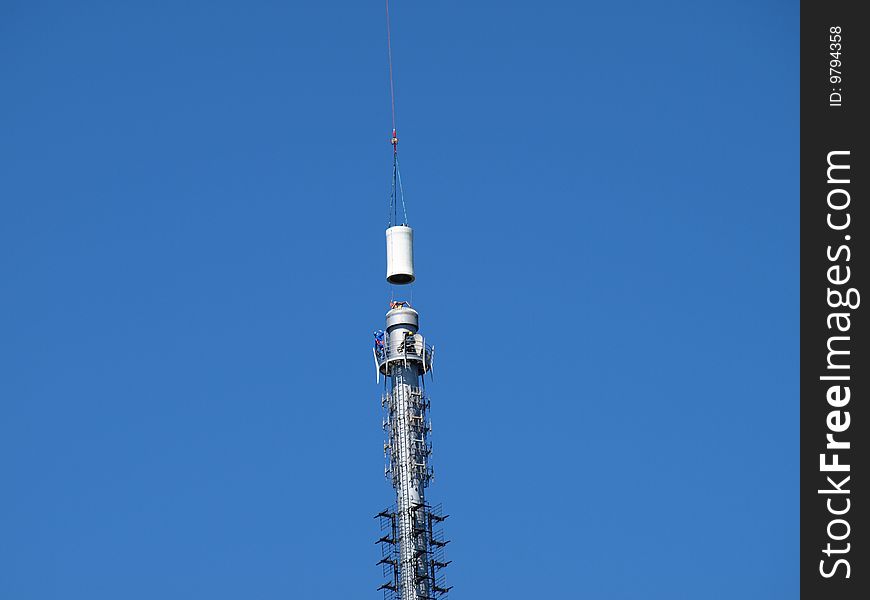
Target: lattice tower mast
(412,544)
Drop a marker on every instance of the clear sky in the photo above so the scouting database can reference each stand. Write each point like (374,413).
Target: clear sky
(192,203)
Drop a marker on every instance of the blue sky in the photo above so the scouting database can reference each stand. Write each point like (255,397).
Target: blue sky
(192,203)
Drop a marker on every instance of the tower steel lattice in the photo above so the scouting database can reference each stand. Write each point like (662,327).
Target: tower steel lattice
(412,544)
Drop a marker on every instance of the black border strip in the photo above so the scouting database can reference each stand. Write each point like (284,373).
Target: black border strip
(835,225)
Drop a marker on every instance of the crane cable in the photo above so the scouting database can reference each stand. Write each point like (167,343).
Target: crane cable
(390,58)
(397,191)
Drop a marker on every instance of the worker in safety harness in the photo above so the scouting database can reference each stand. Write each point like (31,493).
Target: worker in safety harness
(379,341)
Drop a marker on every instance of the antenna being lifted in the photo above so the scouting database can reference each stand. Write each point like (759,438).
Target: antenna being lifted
(400,236)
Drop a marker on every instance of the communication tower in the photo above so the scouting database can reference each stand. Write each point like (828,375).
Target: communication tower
(412,541)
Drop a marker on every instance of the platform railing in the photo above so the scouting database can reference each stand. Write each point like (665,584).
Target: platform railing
(410,349)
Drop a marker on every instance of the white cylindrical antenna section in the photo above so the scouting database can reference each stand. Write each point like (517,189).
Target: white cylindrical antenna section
(400,255)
